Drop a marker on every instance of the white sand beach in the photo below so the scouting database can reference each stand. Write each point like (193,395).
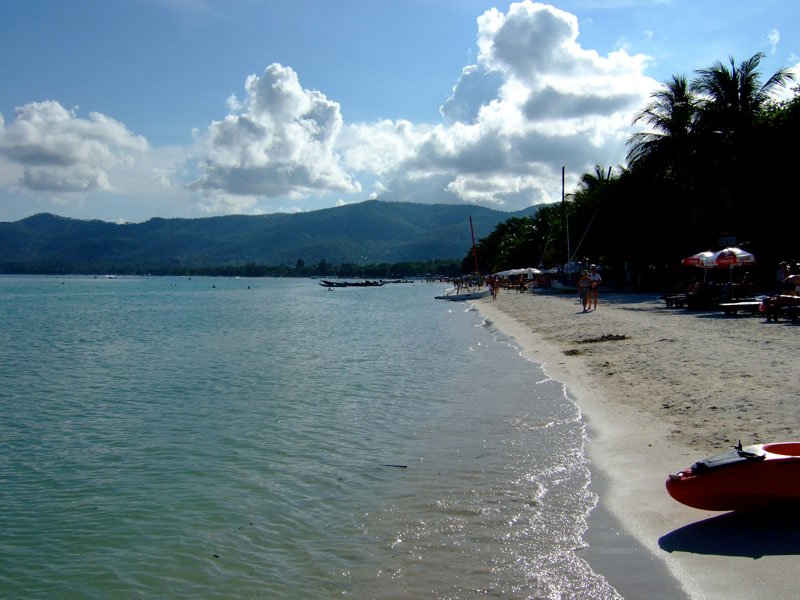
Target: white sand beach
(662,388)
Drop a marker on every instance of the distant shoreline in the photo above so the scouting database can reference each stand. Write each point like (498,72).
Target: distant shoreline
(660,389)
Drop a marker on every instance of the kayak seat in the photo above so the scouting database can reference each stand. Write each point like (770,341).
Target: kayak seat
(729,457)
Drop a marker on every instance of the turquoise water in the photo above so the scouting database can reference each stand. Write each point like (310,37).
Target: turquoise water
(229,438)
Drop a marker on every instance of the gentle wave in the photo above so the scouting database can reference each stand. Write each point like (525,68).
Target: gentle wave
(220,438)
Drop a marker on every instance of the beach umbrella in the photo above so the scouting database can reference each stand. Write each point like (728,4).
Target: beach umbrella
(530,272)
(729,258)
(699,260)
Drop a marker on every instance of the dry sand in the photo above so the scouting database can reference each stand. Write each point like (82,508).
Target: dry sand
(662,388)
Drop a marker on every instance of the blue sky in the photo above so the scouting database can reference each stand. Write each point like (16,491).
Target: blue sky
(124,110)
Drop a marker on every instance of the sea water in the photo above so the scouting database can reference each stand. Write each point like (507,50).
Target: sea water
(270,438)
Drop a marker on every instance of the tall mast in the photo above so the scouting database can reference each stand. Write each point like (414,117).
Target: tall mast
(566,221)
(474,249)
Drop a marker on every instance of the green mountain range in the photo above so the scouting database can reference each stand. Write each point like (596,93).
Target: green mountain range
(370,232)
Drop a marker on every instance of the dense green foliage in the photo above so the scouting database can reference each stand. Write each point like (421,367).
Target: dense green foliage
(714,168)
(377,239)
(430,268)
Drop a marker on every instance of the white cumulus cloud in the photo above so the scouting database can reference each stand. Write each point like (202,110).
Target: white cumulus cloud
(535,100)
(278,141)
(61,152)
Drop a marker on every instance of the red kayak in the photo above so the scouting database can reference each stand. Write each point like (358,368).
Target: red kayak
(743,478)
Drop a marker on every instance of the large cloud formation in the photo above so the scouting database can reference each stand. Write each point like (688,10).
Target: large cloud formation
(534,101)
(278,142)
(60,152)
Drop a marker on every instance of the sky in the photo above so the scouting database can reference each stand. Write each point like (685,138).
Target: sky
(124,110)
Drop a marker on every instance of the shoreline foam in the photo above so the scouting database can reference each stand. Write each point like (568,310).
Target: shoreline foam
(661,388)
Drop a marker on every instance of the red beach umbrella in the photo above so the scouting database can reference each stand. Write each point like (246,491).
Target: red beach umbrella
(730,257)
(698,260)
(727,258)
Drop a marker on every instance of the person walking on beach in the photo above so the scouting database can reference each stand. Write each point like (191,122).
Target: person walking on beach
(596,280)
(585,289)
(492,283)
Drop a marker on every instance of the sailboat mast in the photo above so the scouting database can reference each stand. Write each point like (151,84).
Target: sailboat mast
(566,220)
(474,248)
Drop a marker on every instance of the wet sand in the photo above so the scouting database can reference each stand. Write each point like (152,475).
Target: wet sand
(661,388)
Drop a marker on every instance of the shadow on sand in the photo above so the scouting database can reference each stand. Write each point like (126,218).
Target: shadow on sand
(739,534)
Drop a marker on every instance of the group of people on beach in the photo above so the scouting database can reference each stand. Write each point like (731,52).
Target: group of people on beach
(588,285)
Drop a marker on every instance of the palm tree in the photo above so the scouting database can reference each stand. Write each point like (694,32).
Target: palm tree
(729,144)
(731,98)
(671,116)
(591,182)
(509,245)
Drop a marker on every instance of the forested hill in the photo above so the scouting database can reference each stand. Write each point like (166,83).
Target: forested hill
(371,232)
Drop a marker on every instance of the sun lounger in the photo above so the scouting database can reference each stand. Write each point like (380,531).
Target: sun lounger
(792,313)
(783,305)
(733,308)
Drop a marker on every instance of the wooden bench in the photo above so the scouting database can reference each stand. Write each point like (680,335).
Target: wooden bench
(733,308)
(675,300)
